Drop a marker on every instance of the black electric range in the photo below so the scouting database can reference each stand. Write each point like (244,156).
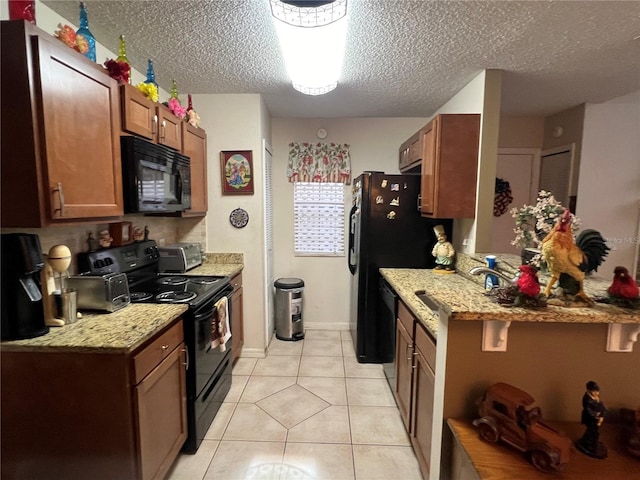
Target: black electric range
(208,373)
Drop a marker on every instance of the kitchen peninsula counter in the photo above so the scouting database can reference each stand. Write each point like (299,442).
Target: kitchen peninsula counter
(463,299)
(550,352)
(119,332)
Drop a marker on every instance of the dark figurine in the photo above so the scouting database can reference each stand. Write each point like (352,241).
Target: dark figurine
(593,412)
(146,232)
(92,243)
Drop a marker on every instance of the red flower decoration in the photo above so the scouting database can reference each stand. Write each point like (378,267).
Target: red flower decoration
(118,70)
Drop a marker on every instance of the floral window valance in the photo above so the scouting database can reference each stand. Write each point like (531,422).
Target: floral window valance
(319,162)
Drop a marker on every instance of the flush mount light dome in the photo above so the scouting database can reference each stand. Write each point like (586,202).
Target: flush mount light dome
(313,56)
(308,13)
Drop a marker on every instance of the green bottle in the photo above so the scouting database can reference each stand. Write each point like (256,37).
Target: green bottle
(174,90)
(122,54)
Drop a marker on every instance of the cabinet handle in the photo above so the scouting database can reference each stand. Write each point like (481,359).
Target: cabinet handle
(419,202)
(186,357)
(61,195)
(409,356)
(164,347)
(164,128)
(154,125)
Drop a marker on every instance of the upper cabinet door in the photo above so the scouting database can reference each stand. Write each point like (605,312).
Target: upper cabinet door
(138,113)
(169,128)
(80,125)
(194,145)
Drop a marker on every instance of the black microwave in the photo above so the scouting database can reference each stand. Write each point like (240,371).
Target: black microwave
(155,178)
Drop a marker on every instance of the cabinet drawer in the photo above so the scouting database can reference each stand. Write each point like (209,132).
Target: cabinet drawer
(158,350)
(405,317)
(426,346)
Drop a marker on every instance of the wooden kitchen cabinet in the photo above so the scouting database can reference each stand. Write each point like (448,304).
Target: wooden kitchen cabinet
(415,383)
(445,152)
(449,166)
(237,320)
(411,152)
(404,362)
(149,119)
(60,125)
(194,145)
(422,398)
(77,415)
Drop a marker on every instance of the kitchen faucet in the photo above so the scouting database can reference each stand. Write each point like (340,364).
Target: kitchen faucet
(491,271)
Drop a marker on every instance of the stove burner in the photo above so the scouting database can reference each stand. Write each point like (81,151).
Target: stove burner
(173,280)
(204,280)
(140,296)
(175,297)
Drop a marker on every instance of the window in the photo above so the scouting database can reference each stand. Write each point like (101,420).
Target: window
(318,210)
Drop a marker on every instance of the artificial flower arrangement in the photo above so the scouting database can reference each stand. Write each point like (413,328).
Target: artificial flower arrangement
(534,222)
(149,89)
(118,70)
(68,36)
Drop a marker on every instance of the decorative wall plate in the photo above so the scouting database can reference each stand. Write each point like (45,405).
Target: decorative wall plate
(239,218)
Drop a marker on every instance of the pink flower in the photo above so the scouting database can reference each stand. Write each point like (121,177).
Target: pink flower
(177,109)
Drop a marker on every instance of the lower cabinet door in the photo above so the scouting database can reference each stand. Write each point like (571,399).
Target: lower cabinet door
(404,362)
(162,416)
(422,411)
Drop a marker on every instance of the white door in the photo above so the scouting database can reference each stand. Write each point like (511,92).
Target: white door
(520,167)
(268,241)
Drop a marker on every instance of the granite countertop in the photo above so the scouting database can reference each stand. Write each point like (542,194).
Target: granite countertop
(220,264)
(126,329)
(118,332)
(462,298)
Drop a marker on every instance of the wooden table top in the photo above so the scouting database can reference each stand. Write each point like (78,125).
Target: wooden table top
(502,462)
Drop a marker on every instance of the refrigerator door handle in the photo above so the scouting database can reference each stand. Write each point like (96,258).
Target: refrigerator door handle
(352,232)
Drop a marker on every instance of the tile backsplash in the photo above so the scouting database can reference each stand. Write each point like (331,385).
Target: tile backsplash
(164,230)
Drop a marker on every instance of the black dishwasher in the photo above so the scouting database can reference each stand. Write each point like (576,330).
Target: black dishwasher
(388,314)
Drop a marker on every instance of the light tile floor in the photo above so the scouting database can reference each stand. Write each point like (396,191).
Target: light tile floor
(308,411)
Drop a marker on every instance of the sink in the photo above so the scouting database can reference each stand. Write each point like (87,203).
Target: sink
(430,304)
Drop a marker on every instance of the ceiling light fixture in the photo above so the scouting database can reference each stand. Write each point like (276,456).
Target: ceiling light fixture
(312,37)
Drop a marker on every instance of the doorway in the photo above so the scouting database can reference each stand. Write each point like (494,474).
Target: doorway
(521,168)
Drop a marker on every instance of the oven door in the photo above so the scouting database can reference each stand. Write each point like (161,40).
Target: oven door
(207,359)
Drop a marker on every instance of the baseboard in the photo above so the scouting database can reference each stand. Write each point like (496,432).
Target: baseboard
(326,325)
(252,353)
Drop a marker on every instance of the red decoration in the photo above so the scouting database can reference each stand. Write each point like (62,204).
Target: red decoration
(118,70)
(22,10)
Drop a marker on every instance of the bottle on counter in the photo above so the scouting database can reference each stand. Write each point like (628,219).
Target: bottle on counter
(490,280)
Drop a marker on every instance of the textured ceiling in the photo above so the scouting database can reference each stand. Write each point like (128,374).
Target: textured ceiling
(404,58)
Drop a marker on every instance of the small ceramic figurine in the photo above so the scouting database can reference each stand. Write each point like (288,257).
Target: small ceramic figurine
(592,417)
(105,239)
(443,251)
(92,243)
(138,234)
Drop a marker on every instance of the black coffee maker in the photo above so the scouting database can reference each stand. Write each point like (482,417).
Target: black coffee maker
(22,309)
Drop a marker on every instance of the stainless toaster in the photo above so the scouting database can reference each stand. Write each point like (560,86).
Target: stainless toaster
(107,293)
(179,257)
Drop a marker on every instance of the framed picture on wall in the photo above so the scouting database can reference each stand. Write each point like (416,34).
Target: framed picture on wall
(237,172)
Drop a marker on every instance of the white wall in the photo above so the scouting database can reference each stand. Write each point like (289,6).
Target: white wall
(236,122)
(374,144)
(481,95)
(609,185)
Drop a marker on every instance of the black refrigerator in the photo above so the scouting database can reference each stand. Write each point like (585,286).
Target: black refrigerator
(386,230)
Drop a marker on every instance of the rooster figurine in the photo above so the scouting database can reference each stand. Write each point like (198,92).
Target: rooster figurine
(564,257)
